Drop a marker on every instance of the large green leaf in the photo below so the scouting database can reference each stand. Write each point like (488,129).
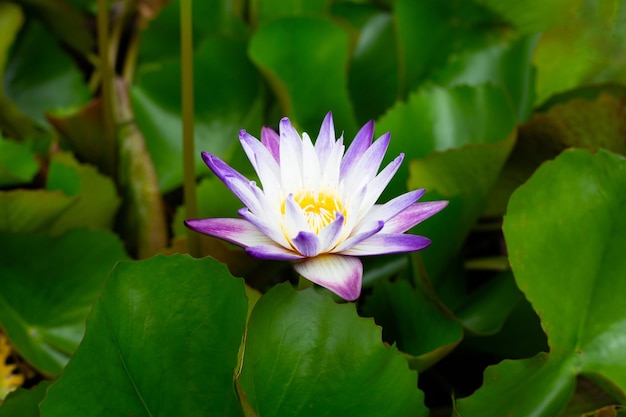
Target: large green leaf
(532,16)
(40,76)
(588,48)
(374,58)
(47,288)
(32,210)
(323,360)
(305,59)
(97,201)
(565,234)
(429,32)
(17,163)
(438,118)
(422,330)
(581,122)
(23,402)
(227,91)
(162,340)
(12,121)
(506,63)
(160,41)
(264,10)
(464,177)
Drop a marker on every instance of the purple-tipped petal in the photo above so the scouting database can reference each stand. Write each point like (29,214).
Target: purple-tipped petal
(366,233)
(271,231)
(271,140)
(328,235)
(325,139)
(220,168)
(393,207)
(376,187)
(307,244)
(237,231)
(380,244)
(290,156)
(272,251)
(340,274)
(359,145)
(413,215)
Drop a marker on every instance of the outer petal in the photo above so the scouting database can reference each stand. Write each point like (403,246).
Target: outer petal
(390,209)
(271,140)
(237,231)
(325,139)
(366,168)
(359,145)
(274,252)
(413,215)
(372,229)
(340,274)
(270,230)
(376,187)
(380,244)
(220,168)
(290,157)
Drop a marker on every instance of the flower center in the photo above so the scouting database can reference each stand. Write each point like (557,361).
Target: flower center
(319,209)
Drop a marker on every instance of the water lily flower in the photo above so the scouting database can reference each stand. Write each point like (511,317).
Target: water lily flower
(317,206)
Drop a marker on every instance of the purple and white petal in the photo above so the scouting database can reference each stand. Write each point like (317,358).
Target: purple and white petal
(340,274)
(376,187)
(325,139)
(394,206)
(311,171)
(330,234)
(290,157)
(270,229)
(294,221)
(244,192)
(262,160)
(356,239)
(359,145)
(307,244)
(237,231)
(366,168)
(220,168)
(271,140)
(380,244)
(412,216)
(274,252)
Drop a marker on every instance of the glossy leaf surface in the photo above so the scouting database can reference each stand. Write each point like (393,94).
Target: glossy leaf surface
(324,361)
(184,333)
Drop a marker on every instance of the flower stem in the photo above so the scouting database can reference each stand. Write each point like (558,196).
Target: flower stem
(186,47)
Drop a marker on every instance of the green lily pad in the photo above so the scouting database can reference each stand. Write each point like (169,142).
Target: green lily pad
(586,48)
(591,123)
(48,286)
(324,361)
(422,330)
(264,10)
(17,163)
(429,32)
(227,92)
(441,118)
(165,333)
(564,232)
(304,60)
(24,402)
(97,199)
(32,210)
(40,76)
(464,177)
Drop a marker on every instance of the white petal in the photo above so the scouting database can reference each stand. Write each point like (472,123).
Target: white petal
(340,274)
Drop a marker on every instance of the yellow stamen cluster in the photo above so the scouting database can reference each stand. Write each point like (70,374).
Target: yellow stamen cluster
(320,209)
